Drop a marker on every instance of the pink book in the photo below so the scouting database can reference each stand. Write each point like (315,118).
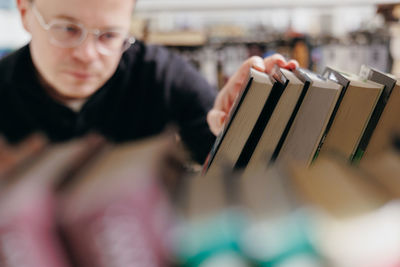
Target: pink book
(117,213)
(28,206)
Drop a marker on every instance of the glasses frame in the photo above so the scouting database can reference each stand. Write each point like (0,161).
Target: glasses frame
(128,41)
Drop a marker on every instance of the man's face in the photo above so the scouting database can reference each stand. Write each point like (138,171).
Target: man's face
(77,72)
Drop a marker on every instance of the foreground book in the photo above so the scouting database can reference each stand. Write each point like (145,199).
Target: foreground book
(115,212)
(13,157)
(336,187)
(28,205)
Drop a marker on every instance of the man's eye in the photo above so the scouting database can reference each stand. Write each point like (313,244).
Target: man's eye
(66,29)
(71,29)
(109,36)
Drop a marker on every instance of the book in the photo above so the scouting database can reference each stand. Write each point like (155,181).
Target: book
(384,168)
(274,216)
(209,229)
(388,83)
(246,121)
(347,204)
(336,187)
(353,115)
(197,207)
(28,206)
(334,76)
(274,130)
(116,212)
(308,128)
(388,124)
(14,156)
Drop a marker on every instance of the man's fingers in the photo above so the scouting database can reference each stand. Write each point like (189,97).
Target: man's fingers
(216,119)
(292,64)
(235,83)
(270,62)
(279,60)
(257,63)
(226,97)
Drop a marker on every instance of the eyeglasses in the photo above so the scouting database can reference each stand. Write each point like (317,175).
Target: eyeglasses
(66,34)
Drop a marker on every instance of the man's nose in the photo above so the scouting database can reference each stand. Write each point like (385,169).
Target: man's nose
(87,50)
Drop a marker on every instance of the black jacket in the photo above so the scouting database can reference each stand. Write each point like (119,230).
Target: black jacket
(151,88)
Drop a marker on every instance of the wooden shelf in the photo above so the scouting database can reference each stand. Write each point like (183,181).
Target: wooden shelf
(177,38)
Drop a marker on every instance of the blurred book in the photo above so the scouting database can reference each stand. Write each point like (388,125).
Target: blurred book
(14,156)
(338,188)
(116,212)
(384,167)
(277,232)
(28,206)
(210,228)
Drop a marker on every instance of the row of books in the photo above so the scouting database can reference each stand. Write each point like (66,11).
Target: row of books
(92,203)
(295,116)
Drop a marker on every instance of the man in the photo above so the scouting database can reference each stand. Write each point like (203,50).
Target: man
(82,72)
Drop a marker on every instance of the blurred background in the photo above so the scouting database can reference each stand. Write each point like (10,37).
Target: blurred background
(217,35)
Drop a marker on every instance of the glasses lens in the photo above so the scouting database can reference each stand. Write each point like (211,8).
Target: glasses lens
(66,33)
(112,40)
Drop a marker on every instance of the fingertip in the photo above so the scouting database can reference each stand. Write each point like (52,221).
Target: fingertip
(293,64)
(281,63)
(259,68)
(222,118)
(258,64)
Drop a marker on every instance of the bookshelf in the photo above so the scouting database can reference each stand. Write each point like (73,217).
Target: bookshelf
(327,33)
(182,5)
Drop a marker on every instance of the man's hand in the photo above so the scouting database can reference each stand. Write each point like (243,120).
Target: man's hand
(217,115)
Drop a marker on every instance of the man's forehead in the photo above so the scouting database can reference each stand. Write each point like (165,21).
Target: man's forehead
(90,11)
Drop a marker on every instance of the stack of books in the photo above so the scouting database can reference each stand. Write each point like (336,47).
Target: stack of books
(295,116)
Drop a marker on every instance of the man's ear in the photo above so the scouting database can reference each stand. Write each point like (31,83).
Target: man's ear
(23,6)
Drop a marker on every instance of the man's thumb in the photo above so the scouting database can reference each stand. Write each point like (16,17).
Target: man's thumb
(216,119)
